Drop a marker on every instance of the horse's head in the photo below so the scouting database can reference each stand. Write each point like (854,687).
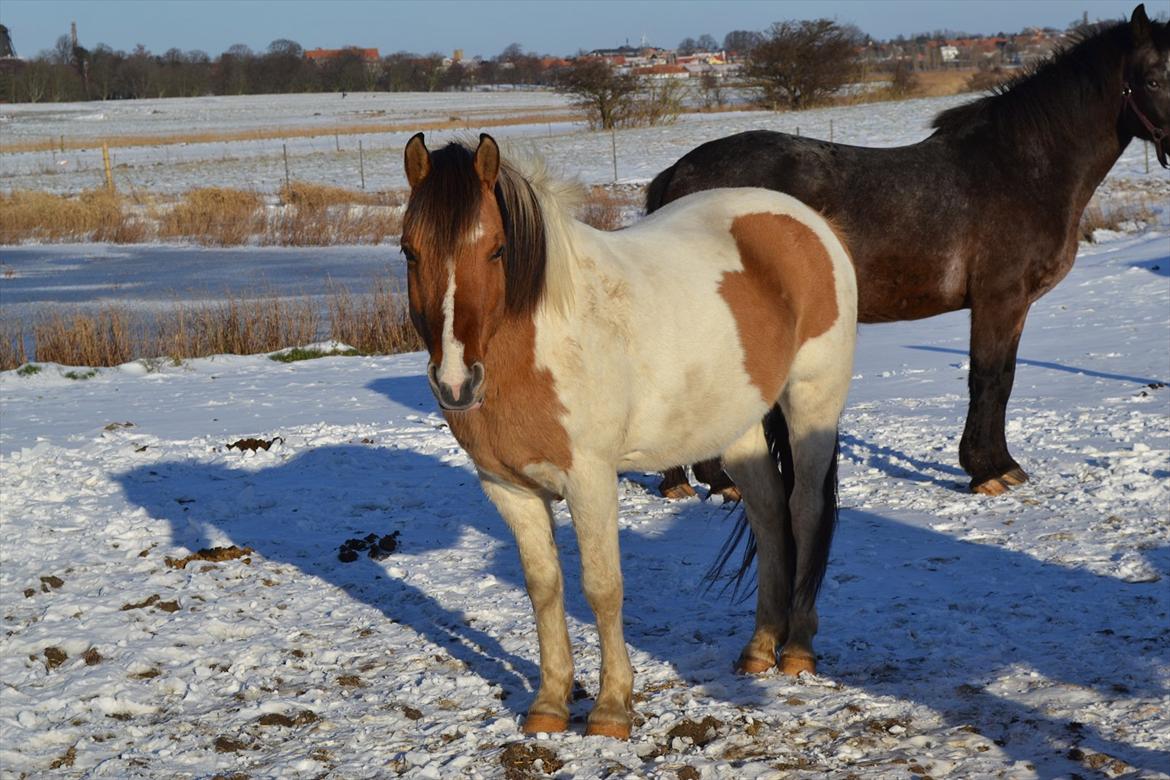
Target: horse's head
(474,247)
(1147,82)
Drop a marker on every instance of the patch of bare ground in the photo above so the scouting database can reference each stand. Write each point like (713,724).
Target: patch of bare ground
(522,760)
(213,554)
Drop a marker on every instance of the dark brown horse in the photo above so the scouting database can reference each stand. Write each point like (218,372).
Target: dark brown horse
(982,215)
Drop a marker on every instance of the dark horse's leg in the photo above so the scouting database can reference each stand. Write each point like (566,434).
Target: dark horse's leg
(711,472)
(983,451)
(675,483)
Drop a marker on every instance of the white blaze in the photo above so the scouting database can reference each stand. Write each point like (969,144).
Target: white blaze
(452,372)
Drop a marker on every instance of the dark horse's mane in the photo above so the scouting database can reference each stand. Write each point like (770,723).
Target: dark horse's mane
(1036,105)
(448,202)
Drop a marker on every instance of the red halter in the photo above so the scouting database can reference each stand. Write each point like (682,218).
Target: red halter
(1157,134)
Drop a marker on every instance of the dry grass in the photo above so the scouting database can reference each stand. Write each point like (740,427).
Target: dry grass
(269,133)
(94,215)
(320,215)
(604,207)
(215,216)
(375,322)
(309,215)
(1113,216)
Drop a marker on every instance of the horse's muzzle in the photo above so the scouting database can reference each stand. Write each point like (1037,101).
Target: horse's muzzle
(468,396)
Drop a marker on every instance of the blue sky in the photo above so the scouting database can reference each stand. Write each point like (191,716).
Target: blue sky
(552,26)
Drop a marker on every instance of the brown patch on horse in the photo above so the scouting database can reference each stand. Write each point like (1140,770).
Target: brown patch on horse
(784,296)
(519,423)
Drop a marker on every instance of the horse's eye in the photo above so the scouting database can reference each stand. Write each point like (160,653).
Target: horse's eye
(410,256)
(498,254)
(1152,83)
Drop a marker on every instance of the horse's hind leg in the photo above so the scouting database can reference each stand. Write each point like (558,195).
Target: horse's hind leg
(751,465)
(983,450)
(812,410)
(529,517)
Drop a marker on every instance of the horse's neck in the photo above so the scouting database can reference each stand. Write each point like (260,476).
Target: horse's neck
(1091,140)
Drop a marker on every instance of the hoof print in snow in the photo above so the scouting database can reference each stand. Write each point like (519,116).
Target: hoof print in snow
(251,445)
(378,548)
(520,761)
(212,554)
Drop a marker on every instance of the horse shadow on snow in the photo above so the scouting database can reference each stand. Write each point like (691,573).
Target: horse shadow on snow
(906,612)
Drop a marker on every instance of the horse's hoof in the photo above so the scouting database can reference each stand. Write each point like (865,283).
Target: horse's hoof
(750,664)
(682,490)
(1015,477)
(540,723)
(608,729)
(991,487)
(731,495)
(793,665)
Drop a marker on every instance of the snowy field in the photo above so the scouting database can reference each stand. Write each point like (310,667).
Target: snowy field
(961,636)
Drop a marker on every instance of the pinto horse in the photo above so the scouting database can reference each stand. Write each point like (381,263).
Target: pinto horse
(982,215)
(559,356)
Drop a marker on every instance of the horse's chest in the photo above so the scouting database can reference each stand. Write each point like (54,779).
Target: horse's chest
(507,440)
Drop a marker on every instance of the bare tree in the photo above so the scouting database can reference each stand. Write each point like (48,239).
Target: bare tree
(707,42)
(606,95)
(802,62)
(742,41)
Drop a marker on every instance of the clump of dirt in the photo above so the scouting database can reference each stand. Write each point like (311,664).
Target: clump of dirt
(149,674)
(350,681)
(378,548)
(65,761)
(700,733)
(54,657)
(229,745)
(118,425)
(153,601)
(254,444)
(688,773)
(887,725)
(411,712)
(213,554)
(92,657)
(300,718)
(51,582)
(520,761)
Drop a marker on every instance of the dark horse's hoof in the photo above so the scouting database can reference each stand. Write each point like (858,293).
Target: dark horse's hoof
(997,486)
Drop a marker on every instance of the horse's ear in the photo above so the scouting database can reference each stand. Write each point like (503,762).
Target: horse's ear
(487,160)
(1139,23)
(418,161)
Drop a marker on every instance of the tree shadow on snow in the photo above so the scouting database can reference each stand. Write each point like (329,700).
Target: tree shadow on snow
(1049,365)
(906,612)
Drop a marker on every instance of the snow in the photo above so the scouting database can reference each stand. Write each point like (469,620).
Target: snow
(1019,636)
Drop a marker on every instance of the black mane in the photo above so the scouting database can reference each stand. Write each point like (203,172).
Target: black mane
(1037,104)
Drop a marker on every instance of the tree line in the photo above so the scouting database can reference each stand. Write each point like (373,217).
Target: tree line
(69,73)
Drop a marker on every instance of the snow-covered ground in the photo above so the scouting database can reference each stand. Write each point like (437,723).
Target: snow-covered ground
(568,145)
(962,636)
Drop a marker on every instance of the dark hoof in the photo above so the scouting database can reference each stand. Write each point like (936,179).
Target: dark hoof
(682,490)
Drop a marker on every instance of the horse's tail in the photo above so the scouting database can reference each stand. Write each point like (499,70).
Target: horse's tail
(656,192)
(780,445)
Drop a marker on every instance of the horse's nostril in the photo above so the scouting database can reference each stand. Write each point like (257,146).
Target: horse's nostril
(477,374)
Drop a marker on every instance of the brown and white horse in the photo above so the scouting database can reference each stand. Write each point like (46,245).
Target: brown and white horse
(561,355)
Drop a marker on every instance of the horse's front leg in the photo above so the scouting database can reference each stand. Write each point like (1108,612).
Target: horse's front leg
(530,518)
(592,497)
(983,451)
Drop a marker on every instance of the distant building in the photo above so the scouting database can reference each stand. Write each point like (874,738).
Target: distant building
(6,50)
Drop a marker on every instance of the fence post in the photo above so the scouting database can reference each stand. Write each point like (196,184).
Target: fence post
(337,142)
(287,184)
(106,163)
(830,131)
(613,141)
(362,163)
(62,143)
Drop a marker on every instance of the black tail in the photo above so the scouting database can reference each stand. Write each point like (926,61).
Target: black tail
(780,445)
(656,192)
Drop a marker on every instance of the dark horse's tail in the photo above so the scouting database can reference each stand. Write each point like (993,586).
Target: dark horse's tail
(656,192)
(780,445)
